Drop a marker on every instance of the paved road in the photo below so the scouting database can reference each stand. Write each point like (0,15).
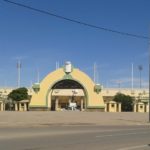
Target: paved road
(75,137)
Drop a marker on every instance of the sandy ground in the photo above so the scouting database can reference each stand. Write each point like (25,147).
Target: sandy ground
(40,118)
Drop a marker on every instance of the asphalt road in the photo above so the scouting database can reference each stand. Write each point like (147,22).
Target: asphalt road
(75,137)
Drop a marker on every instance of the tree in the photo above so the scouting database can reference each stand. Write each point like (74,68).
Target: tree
(125,100)
(18,94)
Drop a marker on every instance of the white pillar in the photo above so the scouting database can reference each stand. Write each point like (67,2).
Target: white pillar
(20,107)
(16,106)
(115,107)
(119,107)
(81,104)
(147,107)
(105,107)
(25,106)
(2,107)
(134,109)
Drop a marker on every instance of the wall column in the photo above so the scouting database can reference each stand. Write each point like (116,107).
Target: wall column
(119,107)
(134,109)
(2,106)
(147,107)
(81,104)
(115,107)
(20,108)
(25,106)
(56,104)
(109,107)
(16,106)
(105,107)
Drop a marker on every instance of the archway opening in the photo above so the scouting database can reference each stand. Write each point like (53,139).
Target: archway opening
(68,95)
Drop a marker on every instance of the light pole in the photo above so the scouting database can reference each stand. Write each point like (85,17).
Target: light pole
(149,75)
(140,69)
(18,68)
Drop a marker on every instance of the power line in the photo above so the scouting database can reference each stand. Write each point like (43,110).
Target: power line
(77,21)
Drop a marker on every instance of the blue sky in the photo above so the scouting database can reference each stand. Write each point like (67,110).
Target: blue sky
(41,40)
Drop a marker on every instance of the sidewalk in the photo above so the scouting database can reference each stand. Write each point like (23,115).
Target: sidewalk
(42,118)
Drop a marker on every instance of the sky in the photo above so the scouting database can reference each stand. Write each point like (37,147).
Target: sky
(40,40)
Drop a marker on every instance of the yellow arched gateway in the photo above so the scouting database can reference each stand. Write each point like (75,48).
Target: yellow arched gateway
(67,88)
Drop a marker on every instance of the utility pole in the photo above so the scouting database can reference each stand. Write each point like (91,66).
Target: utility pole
(132,78)
(18,68)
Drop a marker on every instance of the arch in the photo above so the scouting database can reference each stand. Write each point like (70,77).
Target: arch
(67,84)
(40,99)
(49,91)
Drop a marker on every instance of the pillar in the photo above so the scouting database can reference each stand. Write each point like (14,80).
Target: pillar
(20,107)
(134,109)
(115,107)
(147,107)
(25,106)
(109,107)
(2,107)
(105,107)
(56,104)
(81,104)
(16,106)
(119,107)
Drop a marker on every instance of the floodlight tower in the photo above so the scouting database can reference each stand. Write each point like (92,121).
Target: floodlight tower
(140,67)
(18,68)
(149,75)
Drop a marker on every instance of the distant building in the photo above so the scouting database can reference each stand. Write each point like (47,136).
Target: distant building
(69,88)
